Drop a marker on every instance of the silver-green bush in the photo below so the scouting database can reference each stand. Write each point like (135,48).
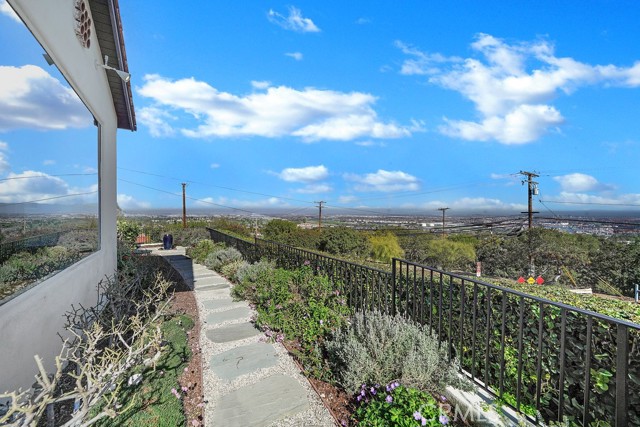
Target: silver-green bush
(251,272)
(229,270)
(377,348)
(217,259)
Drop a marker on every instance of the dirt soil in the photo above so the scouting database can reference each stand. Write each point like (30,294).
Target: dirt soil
(184,301)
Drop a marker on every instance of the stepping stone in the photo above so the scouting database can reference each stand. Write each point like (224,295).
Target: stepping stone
(217,304)
(236,332)
(238,361)
(211,281)
(261,404)
(233,314)
(213,288)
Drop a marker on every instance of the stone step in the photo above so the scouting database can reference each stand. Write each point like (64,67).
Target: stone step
(239,361)
(261,404)
(235,332)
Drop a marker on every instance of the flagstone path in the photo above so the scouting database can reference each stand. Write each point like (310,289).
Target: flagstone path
(247,381)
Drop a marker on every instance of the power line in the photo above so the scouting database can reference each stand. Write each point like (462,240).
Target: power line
(47,176)
(190,198)
(48,198)
(218,186)
(592,203)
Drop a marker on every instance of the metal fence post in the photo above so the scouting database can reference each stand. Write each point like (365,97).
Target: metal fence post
(393,287)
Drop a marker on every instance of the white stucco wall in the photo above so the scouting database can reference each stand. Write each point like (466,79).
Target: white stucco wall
(29,322)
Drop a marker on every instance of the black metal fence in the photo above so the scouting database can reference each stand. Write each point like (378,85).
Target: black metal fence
(30,243)
(543,358)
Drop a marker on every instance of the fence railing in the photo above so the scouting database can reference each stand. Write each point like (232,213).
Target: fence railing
(30,243)
(543,358)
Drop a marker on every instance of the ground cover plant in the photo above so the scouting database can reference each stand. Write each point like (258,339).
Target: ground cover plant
(397,405)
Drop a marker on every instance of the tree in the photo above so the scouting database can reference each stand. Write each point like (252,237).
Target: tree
(128,231)
(279,230)
(344,241)
(449,255)
(618,264)
(385,246)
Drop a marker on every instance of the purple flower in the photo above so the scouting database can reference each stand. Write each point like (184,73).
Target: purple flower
(396,384)
(389,399)
(444,399)
(321,321)
(373,391)
(423,421)
(443,419)
(359,398)
(417,416)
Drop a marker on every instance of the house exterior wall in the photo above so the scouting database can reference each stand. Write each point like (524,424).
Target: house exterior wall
(29,323)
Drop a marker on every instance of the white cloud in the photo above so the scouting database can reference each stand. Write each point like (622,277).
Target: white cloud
(511,86)
(215,165)
(129,202)
(295,55)
(31,98)
(4,162)
(306,174)
(33,185)
(263,84)
(476,203)
(607,201)
(311,114)
(347,199)
(369,143)
(384,181)
(314,189)
(294,22)
(7,10)
(363,21)
(156,119)
(48,162)
(580,183)
(525,123)
(222,202)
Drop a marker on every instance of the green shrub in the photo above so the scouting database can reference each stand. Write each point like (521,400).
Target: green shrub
(229,270)
(300,307)
(377,348)
(189,236)
(128,232)
(217,259)
(202,249)
(396,405)
(251,272)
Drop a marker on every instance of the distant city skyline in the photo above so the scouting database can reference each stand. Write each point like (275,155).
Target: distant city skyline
(366,106)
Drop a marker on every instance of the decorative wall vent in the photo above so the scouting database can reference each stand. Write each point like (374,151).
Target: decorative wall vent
(83,23)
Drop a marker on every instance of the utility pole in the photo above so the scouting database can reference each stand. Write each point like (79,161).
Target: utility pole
(320,203)
(443,211)
(184,205)
(532,189)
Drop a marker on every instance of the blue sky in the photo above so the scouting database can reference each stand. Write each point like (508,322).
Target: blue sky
(370,105)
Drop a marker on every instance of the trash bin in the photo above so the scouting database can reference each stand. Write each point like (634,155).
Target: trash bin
(165,242)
